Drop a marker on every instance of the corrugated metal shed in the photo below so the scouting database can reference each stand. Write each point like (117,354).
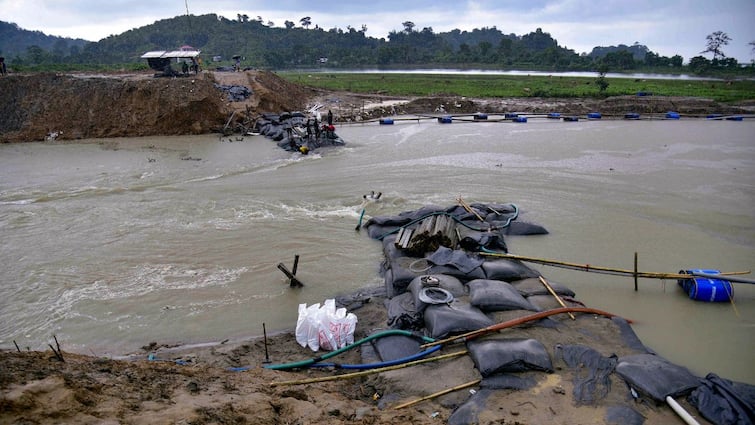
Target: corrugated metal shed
(170,54)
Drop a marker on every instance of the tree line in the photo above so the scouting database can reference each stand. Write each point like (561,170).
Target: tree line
(262,45)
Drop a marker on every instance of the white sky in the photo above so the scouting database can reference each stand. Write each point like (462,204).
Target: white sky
(667,27)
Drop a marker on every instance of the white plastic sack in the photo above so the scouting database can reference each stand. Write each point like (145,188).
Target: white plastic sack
(325,327)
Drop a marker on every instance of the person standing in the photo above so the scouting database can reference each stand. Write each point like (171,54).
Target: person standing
(3,70)
(330,118)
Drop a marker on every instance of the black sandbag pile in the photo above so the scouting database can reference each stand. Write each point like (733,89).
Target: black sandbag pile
(296,132)
(234,93)
(443,285)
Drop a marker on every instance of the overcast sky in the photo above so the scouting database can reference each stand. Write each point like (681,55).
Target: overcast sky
(667,27)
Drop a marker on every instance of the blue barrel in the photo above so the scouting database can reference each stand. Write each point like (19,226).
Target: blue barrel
(671,115)
(480,116)
(445,119)
(735,118)
(386,121)
(594,116)
(510,116)
(554,115)
(520,119)
(705,289)
(631,116)
(644,93)
(571,119)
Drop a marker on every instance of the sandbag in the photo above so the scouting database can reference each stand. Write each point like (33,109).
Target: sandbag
(549,302)
(533,286)
(493,356)
(496,295)
(655,376)
(508,270)
(454,318)
(445,282)
(403,314)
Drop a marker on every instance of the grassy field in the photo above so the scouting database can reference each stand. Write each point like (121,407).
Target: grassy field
(519,86)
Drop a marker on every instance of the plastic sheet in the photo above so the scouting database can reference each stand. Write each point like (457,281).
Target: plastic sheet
(722,401)
(591,371)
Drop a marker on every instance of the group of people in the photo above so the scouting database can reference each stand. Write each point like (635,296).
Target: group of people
(194,67)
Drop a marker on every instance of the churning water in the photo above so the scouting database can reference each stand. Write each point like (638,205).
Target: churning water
(115,243)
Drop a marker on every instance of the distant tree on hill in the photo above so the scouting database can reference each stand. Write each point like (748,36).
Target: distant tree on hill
(408,26)
(715,42)
(305,21)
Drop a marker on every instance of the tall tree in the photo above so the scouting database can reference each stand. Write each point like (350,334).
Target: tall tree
(408,26)
(305,22)
(715,42)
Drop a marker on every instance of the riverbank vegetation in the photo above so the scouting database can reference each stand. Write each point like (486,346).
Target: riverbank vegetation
(486,85)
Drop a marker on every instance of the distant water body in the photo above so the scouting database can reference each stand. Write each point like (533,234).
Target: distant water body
(115,243)
(519,73)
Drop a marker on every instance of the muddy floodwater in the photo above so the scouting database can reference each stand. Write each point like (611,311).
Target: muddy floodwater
(112,244)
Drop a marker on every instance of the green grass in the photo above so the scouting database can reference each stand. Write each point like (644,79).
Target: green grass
(482,86)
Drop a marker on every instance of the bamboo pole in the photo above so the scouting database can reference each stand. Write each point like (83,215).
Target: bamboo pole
(599,269)
(438,394)
(367,372)
(555,295)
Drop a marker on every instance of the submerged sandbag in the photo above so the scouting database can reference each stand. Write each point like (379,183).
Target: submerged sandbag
(493,356)
(454,318)
(496,295)
(655,376)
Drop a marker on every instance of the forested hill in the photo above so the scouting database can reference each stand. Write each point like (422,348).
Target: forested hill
(16,41)
(296,45)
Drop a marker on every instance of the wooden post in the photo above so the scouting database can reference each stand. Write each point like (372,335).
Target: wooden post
(293,281)
(264,336)
(635,271)
(296,264)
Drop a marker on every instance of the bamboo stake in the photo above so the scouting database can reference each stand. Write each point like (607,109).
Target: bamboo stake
(598,269)
(367,372)
(555,295)
(438,394)
(468,208)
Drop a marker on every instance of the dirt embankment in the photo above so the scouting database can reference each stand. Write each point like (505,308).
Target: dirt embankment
(81,106)
(95,106)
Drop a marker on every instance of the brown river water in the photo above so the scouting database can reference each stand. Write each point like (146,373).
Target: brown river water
(112,244)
